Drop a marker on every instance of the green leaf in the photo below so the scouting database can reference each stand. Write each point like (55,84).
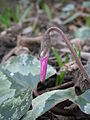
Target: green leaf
(83,101)
(83,33)
(18,77)
(75,49)
(87,21)
(67,58)
(57,80)
(14,16)
(18,11)
(58,58)
(79,53)
(47,11)
(26,13)
(36,30)
(46,101)
(61,77)
(5,20)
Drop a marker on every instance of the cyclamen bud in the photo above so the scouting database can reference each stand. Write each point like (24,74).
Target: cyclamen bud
(43,69)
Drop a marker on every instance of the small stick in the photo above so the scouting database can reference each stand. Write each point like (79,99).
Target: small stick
(6,57)
(26,41)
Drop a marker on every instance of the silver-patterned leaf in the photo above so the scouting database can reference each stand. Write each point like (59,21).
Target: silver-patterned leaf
(46,101)
(18,77)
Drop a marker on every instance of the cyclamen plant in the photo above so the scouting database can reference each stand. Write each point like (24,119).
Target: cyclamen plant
(18,78)
(45,48)
(48,100)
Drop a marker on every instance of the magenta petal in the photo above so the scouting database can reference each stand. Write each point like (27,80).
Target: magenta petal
(43,69)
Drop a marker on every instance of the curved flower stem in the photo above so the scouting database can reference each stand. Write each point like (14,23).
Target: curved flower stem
(71,49)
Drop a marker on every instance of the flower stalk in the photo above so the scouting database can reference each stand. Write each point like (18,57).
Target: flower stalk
(82,69)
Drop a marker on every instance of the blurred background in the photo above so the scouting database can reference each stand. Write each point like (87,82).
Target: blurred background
(72,14)
(31,18)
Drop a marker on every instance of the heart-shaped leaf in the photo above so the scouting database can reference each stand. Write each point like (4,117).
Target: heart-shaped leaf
(46,101)
(83,101)
(18,77)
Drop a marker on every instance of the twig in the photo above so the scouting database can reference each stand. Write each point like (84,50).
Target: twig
(15,51)
(26,41)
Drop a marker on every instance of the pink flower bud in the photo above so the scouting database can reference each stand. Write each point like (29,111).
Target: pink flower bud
(43,69)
